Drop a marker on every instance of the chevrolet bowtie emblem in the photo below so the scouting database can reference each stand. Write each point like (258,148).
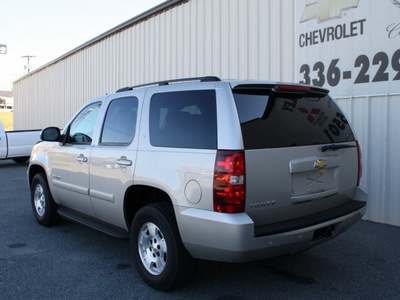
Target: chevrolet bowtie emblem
(320,164)
(327,9)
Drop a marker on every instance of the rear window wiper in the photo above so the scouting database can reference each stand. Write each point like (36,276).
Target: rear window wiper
(334,147)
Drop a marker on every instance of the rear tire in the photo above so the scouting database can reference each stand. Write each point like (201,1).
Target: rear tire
(43,205)
(21,160)
(161,258)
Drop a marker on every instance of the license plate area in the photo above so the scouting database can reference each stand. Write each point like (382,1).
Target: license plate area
(312,182)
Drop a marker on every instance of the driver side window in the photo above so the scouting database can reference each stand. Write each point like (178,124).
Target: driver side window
(81,129)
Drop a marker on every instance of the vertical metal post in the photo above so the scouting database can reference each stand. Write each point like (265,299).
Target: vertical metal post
(29,61)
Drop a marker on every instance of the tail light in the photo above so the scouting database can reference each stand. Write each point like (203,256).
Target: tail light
(229,182)
(359,164)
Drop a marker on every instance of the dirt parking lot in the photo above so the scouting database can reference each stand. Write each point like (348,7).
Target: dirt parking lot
(70,261)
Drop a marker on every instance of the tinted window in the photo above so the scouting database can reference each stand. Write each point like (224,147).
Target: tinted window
(81,129)
(120,122)
(184,119)
(285,121)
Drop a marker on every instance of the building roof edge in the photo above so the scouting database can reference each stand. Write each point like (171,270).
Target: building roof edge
(166,5)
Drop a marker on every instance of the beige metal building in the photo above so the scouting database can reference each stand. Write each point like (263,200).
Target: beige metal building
(241,39)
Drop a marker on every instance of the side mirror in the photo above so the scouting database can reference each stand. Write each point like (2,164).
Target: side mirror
(51,134)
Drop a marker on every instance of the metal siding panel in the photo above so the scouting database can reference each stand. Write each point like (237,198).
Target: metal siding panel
(161,54)
(167,45)
(208,37)
(186,40)
(145,49)
(253,52)
(215,59)
(242,45)
(287,40)
(393,171)
(275,36)
(172,46)
(375,121)
(177,47)
(264,44)
(201,37)
(233,53)
(192,38)
(130,61)
(224,66)
(151,50)
(377,156)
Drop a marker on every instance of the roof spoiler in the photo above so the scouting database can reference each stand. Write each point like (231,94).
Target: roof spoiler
(281,88)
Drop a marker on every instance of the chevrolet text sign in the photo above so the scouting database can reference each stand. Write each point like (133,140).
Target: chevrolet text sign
(351,47)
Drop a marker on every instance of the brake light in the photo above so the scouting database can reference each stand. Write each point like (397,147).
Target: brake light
(359,163)
(229,182)
(294,88)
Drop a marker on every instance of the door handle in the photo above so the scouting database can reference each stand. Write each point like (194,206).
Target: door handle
(81,159)
(123,161)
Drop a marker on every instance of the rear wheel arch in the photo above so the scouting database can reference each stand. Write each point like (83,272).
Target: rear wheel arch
(138,196)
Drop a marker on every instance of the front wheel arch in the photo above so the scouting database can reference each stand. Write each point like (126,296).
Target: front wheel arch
(33,170)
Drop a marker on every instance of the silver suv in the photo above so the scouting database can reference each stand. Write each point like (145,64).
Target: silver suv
(203,168)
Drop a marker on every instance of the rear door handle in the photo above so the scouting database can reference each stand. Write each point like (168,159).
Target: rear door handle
(123,161)
(82,159)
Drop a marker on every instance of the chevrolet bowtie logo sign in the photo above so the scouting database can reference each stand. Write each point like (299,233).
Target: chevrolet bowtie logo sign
(327,9)
(320,164)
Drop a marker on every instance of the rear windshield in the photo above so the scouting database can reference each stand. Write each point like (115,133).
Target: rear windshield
(287,121)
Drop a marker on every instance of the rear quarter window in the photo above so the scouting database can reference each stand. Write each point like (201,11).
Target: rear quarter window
(184,119)
(288,121)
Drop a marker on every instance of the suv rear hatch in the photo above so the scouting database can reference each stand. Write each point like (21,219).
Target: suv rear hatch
(300,153)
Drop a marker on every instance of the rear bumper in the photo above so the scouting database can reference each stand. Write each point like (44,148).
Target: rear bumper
(234,238)
(309,220)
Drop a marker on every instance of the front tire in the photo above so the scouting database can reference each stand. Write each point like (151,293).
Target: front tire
(161,258)
(43,205)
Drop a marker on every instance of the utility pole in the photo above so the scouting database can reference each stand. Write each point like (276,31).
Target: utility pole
(3,49)
(28,66)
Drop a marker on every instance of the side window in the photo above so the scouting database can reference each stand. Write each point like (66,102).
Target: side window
(120,122)
(81,129)
(185,119)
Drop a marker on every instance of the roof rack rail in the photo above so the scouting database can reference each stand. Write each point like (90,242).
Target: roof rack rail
(166,82)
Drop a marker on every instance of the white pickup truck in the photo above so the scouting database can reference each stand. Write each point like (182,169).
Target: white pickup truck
(17,145)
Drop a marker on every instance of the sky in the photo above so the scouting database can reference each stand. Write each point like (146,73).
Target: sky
(47,29)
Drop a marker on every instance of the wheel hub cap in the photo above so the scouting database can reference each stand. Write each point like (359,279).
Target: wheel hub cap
(152,248)
(40,200)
